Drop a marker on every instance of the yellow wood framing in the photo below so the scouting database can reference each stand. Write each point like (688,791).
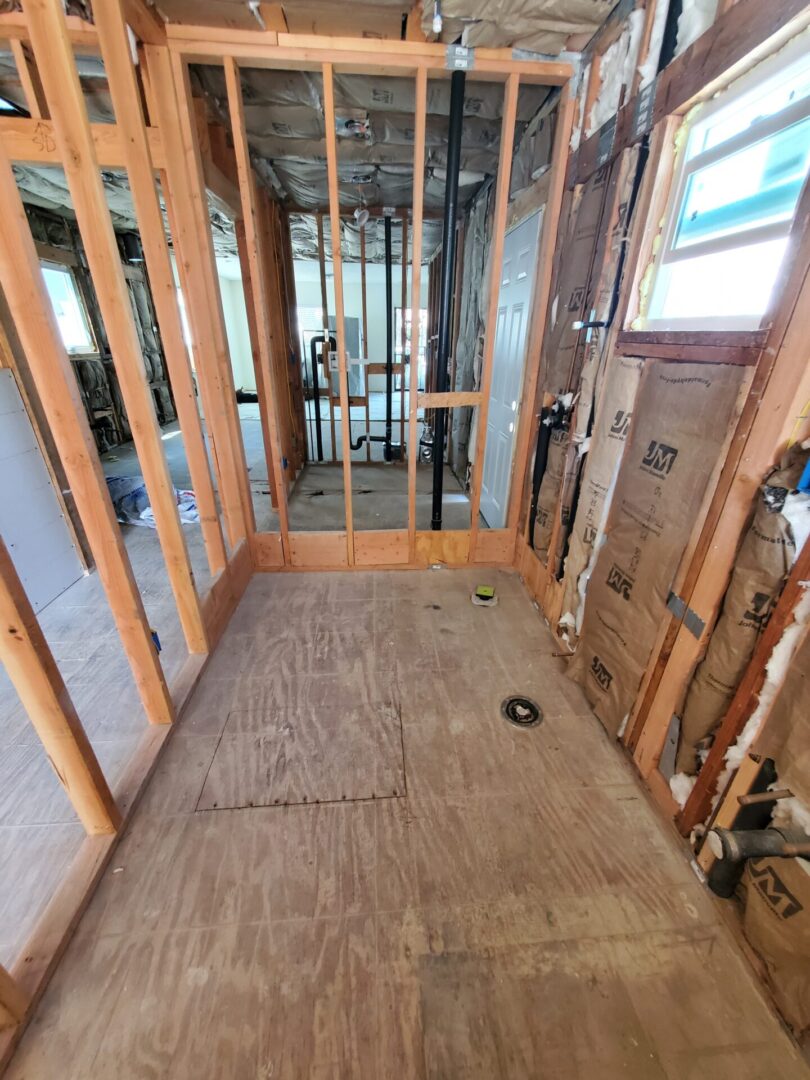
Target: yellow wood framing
(114,40)
(13,1001)
(57,67)
(540,304)
(260,286)
(340,328)
(193,250)
(56,386)
(30,665)
(418,201)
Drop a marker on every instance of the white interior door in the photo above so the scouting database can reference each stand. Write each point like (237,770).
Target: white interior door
(31,520)
(514,307)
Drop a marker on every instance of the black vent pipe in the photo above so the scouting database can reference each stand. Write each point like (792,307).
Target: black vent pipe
(316,389)
(446,283)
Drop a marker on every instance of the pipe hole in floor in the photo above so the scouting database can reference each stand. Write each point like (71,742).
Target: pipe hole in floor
(521,711)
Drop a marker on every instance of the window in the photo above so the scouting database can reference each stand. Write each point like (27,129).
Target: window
(68,307)
(740,174)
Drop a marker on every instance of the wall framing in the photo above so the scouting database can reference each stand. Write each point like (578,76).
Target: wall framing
(169,144)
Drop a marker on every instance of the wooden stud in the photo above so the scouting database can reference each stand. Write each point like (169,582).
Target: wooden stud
(114,40)
(56,386)
(364,310)
(325,349)
(337,265)
(199,199)
(30,81)
(540,304)
(255,352)
(510,98)
(420,110)
(13,1001)
(260,285)
(403,330)
(193,249)
(55,60)
(30,666)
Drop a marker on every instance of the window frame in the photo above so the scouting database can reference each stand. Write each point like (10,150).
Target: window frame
(685,167)
(67,268)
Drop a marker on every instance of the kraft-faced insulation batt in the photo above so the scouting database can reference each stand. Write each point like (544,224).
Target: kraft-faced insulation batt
(679,425)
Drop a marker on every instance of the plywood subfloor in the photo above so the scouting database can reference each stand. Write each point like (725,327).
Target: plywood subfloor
(521,912)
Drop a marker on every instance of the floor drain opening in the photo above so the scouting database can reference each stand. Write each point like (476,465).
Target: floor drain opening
(521,711)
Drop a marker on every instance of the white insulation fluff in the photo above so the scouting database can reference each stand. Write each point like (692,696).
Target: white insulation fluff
(775,672)
(681,785)
(695,18)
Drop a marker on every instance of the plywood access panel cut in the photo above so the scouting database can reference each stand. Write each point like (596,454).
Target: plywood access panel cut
(306,755)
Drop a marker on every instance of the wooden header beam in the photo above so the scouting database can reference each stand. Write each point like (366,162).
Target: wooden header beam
(305,52)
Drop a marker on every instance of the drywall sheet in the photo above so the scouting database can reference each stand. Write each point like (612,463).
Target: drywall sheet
(777,923)
(760,569)
(601,466)
(31,519)
(679,426)
(786,735)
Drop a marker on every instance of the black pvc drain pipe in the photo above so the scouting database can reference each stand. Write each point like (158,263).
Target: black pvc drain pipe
(521,711)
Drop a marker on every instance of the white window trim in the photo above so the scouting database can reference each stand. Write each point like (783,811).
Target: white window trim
(667,254)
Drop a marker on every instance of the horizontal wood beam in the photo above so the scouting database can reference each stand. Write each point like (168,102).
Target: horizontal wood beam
(450,400)
(81,34)
(306,52)
(30,665)
(33,142)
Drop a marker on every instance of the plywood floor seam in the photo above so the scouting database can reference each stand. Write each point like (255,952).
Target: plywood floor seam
(521,912)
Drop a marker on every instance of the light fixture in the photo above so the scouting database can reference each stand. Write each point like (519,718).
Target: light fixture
(361,215)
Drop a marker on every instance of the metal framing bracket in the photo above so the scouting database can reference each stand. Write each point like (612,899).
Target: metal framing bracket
(690,619)
(459,58)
